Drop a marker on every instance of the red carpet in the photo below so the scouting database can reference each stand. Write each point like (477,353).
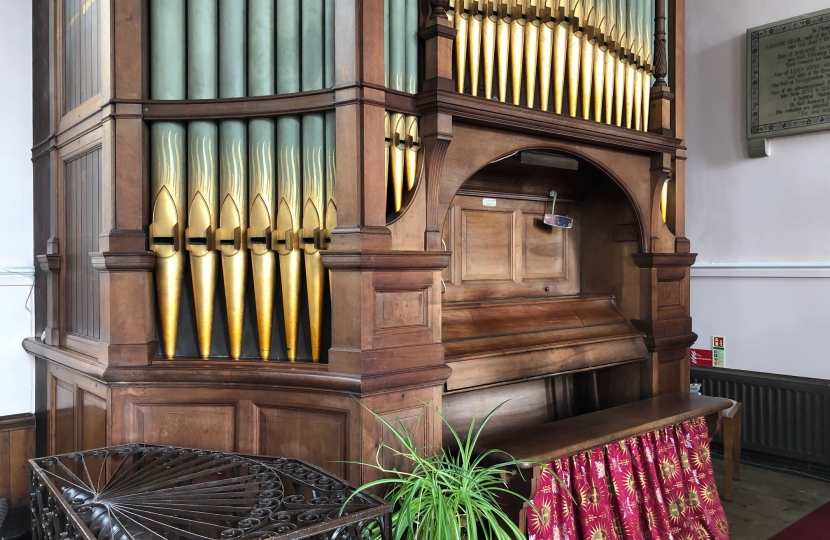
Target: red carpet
(815,525)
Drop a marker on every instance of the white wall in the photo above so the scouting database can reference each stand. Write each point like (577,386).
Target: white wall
(16,271)
(761,226)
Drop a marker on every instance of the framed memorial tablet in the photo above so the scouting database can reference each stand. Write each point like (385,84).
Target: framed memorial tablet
(788,77)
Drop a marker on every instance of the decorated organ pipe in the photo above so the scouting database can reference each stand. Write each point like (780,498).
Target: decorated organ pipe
(202,171)
(262,170)
(167,165)
(402,140)
(313,166)
(593,54)
(289,176)
(233,170)
(222,189)
(331,126)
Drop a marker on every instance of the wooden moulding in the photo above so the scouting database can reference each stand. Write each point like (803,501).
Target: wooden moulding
(275,105)
(506,116)
(535,338)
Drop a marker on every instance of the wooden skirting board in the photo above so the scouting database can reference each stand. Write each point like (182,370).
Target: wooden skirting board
(17,447)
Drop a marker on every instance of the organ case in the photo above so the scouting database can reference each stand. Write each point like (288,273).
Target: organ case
(340,206)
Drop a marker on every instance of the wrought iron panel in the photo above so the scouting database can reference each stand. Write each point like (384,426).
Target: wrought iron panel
(146,492)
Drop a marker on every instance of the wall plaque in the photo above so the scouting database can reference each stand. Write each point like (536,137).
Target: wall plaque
(788,77)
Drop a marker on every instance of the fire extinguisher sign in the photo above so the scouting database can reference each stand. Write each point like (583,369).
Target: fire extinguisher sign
(718,357)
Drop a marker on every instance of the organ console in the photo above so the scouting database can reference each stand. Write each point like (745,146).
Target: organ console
(295,226)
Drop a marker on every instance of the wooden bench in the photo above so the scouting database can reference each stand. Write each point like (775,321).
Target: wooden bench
(544,443)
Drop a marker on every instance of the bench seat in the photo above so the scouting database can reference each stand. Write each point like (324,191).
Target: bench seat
(544,443)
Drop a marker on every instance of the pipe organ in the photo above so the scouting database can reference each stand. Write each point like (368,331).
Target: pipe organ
(374,214)
(593,57)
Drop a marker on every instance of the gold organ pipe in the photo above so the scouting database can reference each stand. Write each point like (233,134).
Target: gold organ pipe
(622,64)
(488,39)
(517,36)
(503,48)
(574,54)
(413,144)
(638,97)
(387,120)
(462,18)
(648,39)
(532,25)
(599,59)
(561,32)
(475,23)
(587,56)
(545,55)
(610,58)
(397,159)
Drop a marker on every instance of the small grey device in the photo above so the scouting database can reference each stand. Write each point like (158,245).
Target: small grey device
(563,222)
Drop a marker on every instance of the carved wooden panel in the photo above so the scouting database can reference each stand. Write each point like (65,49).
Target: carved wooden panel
(83,225)
(543,249)
(81,31)
(93,428)
(415,422)
(212,427)
(486,245)
(318,437)
(401,308)
(63,416)
(670,294)
(506,251)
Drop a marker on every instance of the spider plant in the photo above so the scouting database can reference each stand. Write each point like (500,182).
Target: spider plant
(446,496)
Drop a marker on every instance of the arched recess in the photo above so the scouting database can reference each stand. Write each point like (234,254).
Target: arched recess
(474,147)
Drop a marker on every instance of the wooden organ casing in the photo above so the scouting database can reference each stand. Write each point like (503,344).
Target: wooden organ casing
(445,303)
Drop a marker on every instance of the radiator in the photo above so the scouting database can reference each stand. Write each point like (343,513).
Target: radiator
(783,416)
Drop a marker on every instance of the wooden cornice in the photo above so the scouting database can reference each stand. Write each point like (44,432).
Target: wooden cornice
(385,260)
(222,371)
(49,263)
(117,261)
(17,421)
(506,116)
(653,260)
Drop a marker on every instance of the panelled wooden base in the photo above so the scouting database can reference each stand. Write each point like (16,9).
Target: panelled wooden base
(277,408)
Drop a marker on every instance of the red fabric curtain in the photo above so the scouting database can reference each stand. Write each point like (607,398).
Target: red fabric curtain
(656,486)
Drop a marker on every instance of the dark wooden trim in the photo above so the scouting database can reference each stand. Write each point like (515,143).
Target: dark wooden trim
(17,421)
(386,260)
(509,117)
(653,260)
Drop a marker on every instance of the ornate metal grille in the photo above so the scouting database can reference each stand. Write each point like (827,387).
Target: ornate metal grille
(146,492)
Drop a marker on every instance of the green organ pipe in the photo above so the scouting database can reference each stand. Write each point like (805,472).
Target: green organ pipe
(167,164)
(411,47)
(202,171)
(233,205)
(261,169)
(286,239)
